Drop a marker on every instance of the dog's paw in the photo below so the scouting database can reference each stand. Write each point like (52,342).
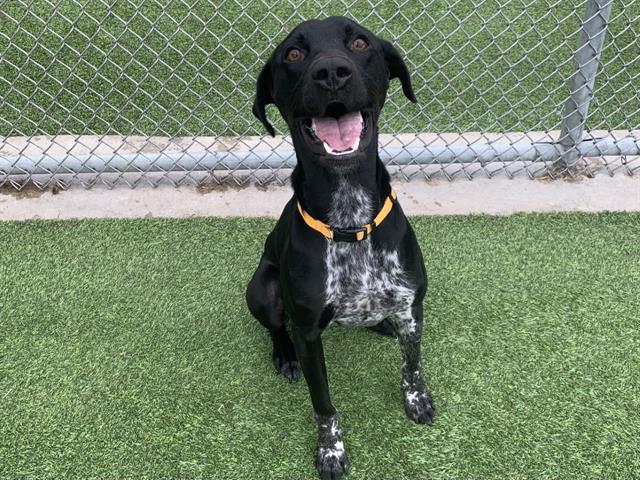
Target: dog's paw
(331,457)
(331,461)
(419,407)
(286,364)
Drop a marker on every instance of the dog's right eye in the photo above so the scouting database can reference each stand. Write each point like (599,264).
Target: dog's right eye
(294,55)
(360,44)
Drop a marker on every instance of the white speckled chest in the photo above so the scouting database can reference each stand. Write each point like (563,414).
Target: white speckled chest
(363,285)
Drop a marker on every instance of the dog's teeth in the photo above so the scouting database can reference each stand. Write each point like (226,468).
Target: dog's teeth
(328,149)
(331,151)
(356,144)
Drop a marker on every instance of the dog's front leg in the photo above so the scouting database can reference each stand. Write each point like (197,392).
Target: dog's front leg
(331,457)
(417,401)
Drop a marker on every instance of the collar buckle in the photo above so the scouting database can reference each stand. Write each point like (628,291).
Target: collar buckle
(351,234)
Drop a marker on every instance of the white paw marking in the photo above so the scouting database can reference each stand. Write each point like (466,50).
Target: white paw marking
(413,397)
(336,451)
(334,446)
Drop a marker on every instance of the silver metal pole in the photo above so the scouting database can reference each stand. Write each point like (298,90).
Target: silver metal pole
(483,153)
(587,60)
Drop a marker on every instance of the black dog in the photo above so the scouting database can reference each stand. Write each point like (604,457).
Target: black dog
(342,250)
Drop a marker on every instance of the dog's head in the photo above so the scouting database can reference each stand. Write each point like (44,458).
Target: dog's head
(329,79)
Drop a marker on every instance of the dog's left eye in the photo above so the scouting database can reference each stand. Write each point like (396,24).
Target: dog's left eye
(294,55)
(359,45)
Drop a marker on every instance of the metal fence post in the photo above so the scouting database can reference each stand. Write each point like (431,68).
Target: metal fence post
(587,60)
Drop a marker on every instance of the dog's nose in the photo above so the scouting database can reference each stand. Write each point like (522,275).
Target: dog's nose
(331,73)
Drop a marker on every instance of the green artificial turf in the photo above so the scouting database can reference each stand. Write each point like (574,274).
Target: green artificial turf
(127,351)
(188,67)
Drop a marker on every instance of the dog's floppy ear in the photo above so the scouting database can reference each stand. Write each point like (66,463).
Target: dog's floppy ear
(264,97)
(398,69)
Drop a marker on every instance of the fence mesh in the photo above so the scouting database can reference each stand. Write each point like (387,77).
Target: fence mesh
(143,92)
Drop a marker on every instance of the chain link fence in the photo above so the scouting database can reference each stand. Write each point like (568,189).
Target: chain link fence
(147,92)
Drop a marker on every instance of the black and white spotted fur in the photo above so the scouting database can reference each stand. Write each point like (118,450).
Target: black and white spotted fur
(304,282)
(363,285)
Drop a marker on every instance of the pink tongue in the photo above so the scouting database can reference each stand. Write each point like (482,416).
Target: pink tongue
(340,134)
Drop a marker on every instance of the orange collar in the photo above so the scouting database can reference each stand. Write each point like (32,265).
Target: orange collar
(349,234)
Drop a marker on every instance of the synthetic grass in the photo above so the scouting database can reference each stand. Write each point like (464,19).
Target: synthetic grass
(127,351)
(188,67)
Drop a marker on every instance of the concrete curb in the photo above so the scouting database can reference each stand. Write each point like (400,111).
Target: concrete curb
(496,196)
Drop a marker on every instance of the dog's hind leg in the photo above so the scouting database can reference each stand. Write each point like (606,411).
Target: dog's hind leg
(264,300)
(418,404)
(385,327)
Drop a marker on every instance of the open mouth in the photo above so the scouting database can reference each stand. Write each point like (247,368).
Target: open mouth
(338,130)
